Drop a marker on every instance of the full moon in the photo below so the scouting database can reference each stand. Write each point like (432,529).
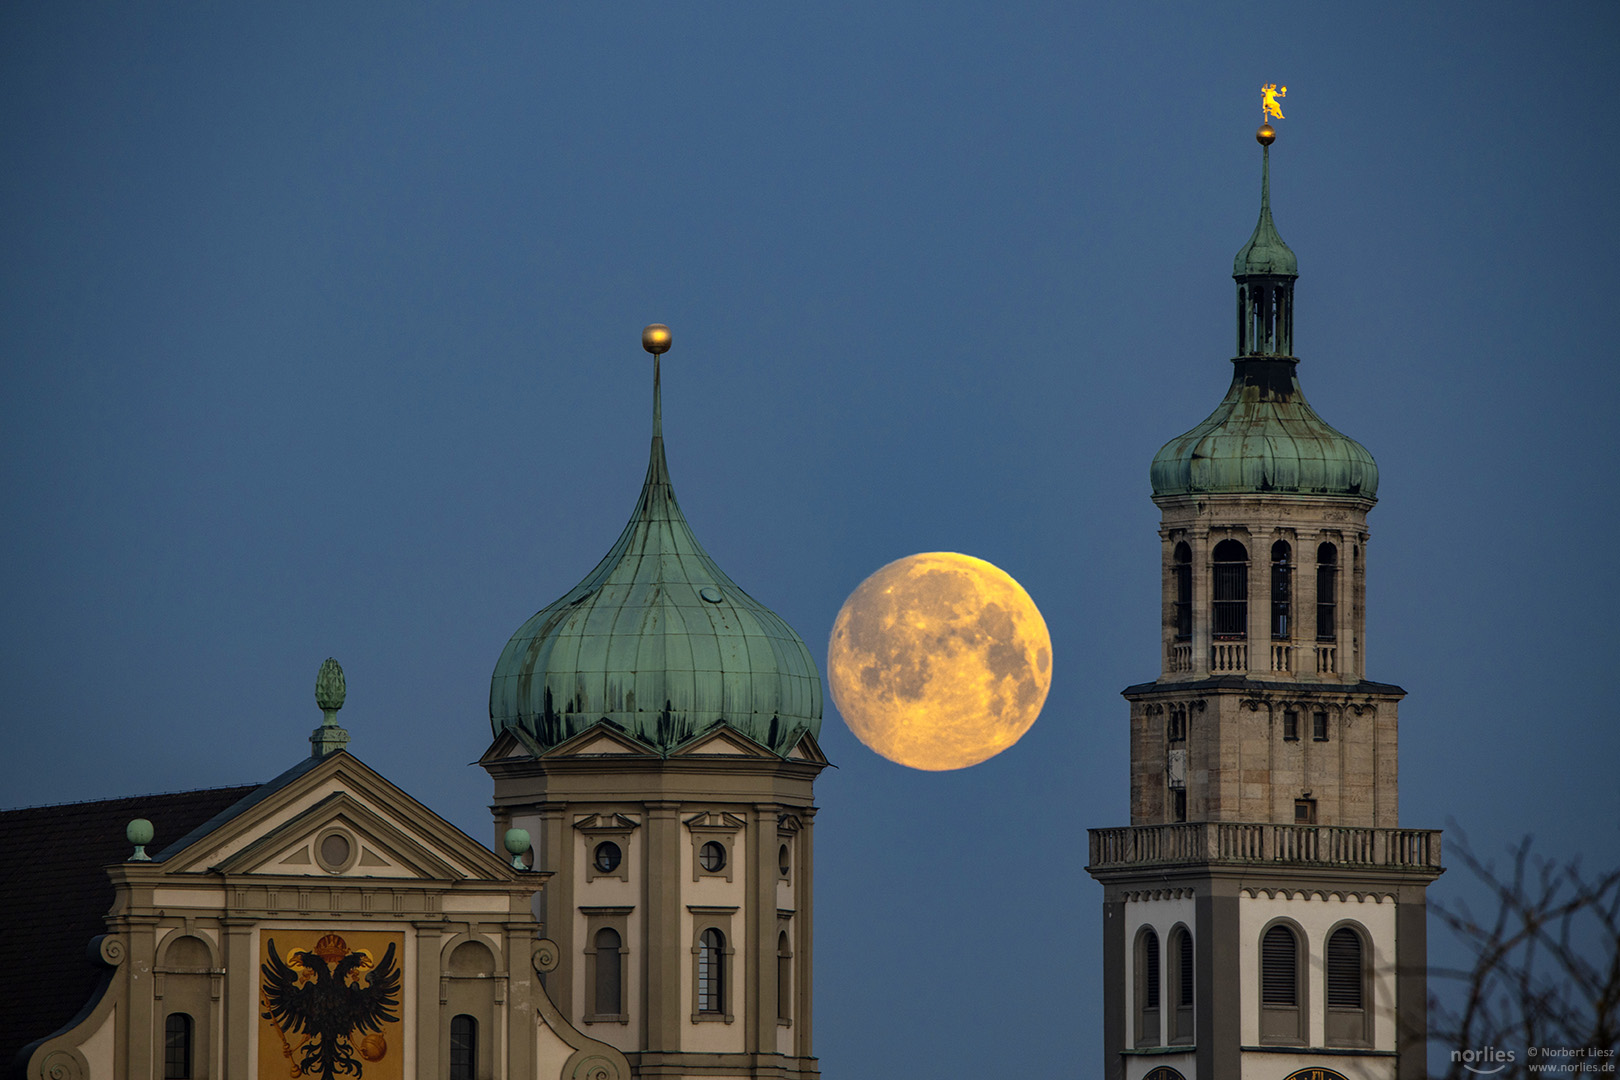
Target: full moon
(939,661)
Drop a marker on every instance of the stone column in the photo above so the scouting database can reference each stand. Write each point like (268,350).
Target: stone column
(804,924)
(241,996)
(665,953)
(429,941)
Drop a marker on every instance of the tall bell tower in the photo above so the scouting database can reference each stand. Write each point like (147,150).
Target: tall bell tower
(1263,913)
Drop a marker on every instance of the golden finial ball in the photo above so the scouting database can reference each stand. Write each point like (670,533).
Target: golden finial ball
(1266,135)
(655,339)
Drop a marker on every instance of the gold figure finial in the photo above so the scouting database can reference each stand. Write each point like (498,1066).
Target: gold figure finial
(1269,108)
(655,339)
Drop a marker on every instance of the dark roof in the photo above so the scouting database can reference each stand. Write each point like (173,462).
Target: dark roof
(54,893)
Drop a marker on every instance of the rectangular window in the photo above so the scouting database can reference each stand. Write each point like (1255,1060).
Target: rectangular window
(1327,607)
(1183,601)
(1304,811)
(1290,725)
(1178,800)
(463,1047)
(1319,729)
(177,1047)
(1281,598)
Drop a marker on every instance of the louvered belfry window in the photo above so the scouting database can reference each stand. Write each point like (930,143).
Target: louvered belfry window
(1344,969)
(1231,561)
(1184,996)
(1278,966)
(1150,970)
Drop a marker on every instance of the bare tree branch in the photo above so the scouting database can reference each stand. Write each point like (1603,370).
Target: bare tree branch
(1546,970)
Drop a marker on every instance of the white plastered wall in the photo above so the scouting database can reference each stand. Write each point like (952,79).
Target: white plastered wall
(1162,914)
(1317,914)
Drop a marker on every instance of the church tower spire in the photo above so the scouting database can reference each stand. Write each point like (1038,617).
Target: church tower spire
(1263,912)
(1265,270)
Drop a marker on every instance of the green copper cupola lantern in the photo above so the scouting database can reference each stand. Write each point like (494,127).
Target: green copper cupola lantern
(657,640)
(1264,436)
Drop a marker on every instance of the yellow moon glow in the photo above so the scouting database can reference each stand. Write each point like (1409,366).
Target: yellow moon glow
(939,661)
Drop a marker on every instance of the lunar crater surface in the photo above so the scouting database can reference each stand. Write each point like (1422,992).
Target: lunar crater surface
(939,661)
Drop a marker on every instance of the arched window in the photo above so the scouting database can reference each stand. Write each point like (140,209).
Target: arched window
(1181,985)
(177,1033)
(1281,992)
(463,1047)
(609,973)
(1183,577)
(1282,572)
(711,972)
(1231,590)
(784,977)
(1346,988)
(1147,988)
(1327,593)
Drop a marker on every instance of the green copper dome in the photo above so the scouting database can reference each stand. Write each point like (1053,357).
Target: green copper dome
(1264,437)
(658,641)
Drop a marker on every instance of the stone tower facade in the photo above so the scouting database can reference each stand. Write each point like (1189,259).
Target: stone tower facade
(1264,913)
(656,737)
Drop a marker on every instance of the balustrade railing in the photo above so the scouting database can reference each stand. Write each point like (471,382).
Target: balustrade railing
(1245,842)
(1229,656)
(1180,656)
(1327,659)
(1282,656)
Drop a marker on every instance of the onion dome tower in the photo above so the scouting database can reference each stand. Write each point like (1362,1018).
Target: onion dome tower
(657,641)
(1264,913)
(655,733)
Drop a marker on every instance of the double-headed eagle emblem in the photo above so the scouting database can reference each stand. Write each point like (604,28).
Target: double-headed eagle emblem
(321,994)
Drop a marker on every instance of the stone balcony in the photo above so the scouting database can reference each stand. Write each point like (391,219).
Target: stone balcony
(1249,844)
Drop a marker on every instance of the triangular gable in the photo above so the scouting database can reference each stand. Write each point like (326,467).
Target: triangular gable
(374,848)
(510,743)
(805,748)
(721,738)
(602,737)
(392,835)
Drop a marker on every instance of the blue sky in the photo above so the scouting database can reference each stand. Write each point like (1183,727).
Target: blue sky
(319,326)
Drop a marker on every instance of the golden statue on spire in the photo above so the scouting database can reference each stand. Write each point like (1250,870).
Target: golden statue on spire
(1269,94)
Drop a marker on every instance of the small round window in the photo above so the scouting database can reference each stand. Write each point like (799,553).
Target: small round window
(712,856)
(334,851)
(607,857)
(782,863)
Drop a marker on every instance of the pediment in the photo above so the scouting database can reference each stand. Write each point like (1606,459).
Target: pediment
(715,821)
(806,749)
(509,744)
(340,837)
(600,739)
(600,824)
(334,817)
(721,739)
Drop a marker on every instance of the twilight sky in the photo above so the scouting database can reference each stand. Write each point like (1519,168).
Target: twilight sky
(319,326)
